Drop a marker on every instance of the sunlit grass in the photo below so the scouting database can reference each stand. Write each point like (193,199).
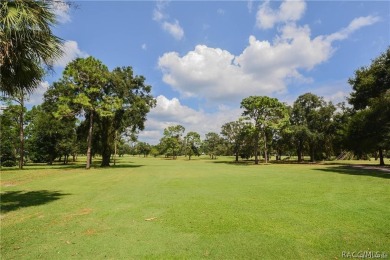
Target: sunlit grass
(162,208)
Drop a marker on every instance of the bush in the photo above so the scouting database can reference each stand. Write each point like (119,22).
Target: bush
(8,163)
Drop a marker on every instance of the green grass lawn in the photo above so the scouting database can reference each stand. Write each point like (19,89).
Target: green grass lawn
(178,209)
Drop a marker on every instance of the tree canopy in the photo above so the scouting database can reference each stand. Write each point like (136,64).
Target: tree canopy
(369,128)
(267,114)
(27,42)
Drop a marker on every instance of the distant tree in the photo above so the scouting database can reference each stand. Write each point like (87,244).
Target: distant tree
(311,122)
(19,99)
(172,140)
(192,144)
(369,128)
(211,144)
(154,151)
(144,148)
(282,141)
(247,148)
(267,114)
(234,133)
(9,133)
(123,149)
(341,119)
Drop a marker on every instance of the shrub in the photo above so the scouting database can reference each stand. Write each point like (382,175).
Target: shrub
(8,163)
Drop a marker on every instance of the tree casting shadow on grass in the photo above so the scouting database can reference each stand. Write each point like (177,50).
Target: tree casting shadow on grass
(33,167)
(351,170)
(239,163)
(13,200)
(42,166)
(122,165)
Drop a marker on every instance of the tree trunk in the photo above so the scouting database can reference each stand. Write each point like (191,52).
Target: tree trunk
(90,131)
(106,156)
(381,159)
(236,156)
(265,149)
(312,153)
(256,149)
(21,132)
(106,147)
(115,147)
(299,153)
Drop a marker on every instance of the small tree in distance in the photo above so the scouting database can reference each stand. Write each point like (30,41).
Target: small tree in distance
(267,114)
(192,144)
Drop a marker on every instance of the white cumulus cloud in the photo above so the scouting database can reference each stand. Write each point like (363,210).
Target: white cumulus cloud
(204,72)
(289,11)
(261,69)
(71,51)
(171,112)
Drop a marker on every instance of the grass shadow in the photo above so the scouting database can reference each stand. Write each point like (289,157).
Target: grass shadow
(122,165)
(14,200)
(351,170)
(292,162)
(239,163)
(41,166)
(96,165)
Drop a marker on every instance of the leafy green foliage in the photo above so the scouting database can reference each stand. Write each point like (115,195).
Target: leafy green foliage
(235,134)
(27,42)
(192,144)
(143,148)
(312,122)
(267,114)
(213,145)
(370,82)
(9,133)
(369,129)
(172,142)
(114,103)
(49,137)
(8,163)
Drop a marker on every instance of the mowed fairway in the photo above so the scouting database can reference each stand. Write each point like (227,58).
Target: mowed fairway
(163,209)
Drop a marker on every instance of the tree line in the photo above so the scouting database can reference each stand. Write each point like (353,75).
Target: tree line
(310,127)
(94,111)
(88,103)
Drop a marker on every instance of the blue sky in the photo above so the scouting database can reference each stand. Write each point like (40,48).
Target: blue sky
(202,57)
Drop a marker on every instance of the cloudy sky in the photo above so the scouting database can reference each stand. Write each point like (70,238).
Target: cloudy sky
(202,58)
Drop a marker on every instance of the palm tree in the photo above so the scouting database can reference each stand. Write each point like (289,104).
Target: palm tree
(27,43)
(27,47)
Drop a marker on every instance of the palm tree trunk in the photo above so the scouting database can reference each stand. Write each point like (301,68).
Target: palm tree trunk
(90,131)
(21,132)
